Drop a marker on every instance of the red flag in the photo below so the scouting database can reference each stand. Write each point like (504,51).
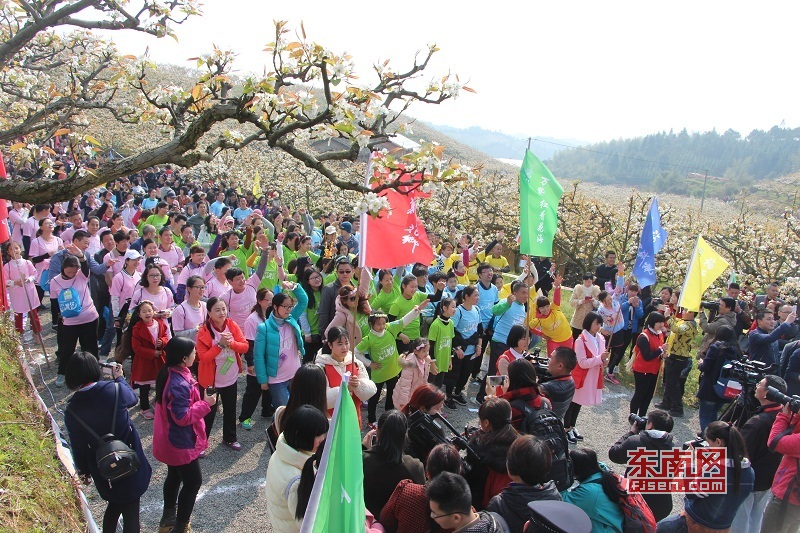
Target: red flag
(395,239)
(4,236)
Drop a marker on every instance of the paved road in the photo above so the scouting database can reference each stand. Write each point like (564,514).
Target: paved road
(232,497)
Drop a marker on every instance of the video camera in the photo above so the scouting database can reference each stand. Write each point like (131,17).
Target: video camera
(639,421)
(539,362)
(748,373)
(774,395)
(711,306)
(426,431)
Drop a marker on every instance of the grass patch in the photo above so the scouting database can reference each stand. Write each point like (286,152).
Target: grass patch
(36,493)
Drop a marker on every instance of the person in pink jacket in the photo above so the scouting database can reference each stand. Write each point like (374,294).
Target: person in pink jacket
(416,369)
(783,510)
(20,281)
(179,433)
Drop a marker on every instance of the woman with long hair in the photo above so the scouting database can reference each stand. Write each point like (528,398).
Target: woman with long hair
(179,435)
(220,345)
(253,391)
(598,492)
(153,289)
(522,390)
(303,433)
(43,247)
(386,463)
(309,387)
(715,512)
(93,403)
(312,283)
(723,349)
(352,312)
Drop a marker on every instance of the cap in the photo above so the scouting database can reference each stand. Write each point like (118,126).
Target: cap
(558,516)
(330,230)
(346,226)
(132,254)
(258,212)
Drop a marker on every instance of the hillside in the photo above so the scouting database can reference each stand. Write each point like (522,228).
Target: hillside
(678,162)
(503,146)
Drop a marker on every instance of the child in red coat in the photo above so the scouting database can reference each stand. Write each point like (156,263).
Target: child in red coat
(148,337)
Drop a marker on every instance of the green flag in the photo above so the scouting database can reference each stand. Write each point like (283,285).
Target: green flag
(539,193)
(337,499)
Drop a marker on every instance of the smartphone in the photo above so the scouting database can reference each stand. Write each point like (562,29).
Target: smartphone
(211,391)
(373,440)
(794,309)
(496,381)
(587,298)
(108,369)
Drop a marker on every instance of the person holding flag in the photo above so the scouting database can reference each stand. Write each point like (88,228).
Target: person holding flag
(341,361)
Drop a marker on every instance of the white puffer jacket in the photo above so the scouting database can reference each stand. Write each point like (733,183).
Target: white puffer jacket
(283,478)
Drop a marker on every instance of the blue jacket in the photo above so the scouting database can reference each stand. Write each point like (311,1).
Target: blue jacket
(717,355)
(94,405)
(716,511)
(58,259)
(631,323)
(267,345)
(764,346)
(606,516)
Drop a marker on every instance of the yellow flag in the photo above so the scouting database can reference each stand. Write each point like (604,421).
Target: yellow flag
(705,266)
(257,186)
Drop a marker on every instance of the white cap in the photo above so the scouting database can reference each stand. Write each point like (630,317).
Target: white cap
(132,254)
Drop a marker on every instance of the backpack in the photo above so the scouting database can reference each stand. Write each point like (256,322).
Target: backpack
(69,302)
(636,514)
(115,459)
(44,280)
(544,423)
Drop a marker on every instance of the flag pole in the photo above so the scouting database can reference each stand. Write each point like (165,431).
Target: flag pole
(529,143)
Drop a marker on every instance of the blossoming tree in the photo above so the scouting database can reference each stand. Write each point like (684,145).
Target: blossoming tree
(51,78)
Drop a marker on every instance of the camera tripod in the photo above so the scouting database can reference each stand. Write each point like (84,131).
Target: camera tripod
(742,407)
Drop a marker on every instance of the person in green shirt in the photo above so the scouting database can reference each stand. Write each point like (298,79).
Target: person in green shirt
(309,320)
(160,218)
(440,337)
(388,292)
(229,246)
(409,297)
(378,351)
(304,250)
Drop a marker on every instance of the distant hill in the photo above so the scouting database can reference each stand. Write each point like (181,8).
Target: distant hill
(503,146)
(678,162)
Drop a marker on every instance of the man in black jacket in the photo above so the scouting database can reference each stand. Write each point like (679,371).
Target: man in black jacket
(764,462)
(655,436)
(327,302)
(606,271)
(528,464)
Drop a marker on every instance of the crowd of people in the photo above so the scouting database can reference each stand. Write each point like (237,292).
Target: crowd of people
(197,284)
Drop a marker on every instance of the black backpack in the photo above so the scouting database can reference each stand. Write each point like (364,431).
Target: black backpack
(544,424)
(115,459)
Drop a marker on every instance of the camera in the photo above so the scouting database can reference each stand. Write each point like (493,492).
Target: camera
(108,369)
(774,395)
(711,306)
(426,431)
(639,421)
(748,373)
(656,302)
(539,362)
(698,442)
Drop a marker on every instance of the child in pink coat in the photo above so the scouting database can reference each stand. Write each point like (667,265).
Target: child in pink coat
(416,368)
(21,284)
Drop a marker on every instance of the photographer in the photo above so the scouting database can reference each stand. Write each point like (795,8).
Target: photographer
(725,317)
(764,462)
(722,349)
(654,435)
(783,511)
(764,338)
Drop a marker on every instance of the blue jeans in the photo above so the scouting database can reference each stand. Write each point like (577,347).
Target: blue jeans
(751,512)
(672,524)
(708,412)
(108,336)
(280,393)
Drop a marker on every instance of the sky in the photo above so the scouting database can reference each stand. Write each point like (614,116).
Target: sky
(581,69)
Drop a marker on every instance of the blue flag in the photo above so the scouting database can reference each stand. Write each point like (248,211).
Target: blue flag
(653,239)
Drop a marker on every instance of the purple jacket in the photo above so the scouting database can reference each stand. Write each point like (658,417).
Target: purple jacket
(179,433)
